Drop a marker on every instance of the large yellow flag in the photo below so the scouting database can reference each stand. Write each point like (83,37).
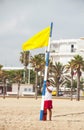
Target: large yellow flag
(37,41)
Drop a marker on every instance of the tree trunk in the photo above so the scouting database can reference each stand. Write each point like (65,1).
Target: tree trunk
(78,86)
(57,94)
(18,90)
(25,75)
(36,85)
(71,93)
(4,89)
(71,85)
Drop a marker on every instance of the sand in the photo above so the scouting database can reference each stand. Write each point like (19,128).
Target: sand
(23,114)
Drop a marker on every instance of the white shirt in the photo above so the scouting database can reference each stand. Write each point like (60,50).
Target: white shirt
(48,95)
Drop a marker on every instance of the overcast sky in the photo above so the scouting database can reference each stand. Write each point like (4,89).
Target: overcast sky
(21,19)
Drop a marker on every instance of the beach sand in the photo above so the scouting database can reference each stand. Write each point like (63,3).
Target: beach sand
(23,114)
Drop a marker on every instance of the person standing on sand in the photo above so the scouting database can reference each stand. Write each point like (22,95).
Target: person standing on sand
(48,99)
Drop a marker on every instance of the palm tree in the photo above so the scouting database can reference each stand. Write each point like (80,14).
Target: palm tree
(1,72)
(78,65)
(42,68)
(18,80)
(57,71)
(24,58)
(3,76)
(70,67)
(49,68)
(1,66)
(38,63)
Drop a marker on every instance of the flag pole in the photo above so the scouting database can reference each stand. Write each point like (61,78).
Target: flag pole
(45,75)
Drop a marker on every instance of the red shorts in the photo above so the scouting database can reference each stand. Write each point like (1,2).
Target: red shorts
(48,104)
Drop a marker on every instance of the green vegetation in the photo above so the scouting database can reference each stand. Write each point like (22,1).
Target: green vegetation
(69,75)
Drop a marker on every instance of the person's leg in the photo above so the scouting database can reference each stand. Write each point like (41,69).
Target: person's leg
(50,114)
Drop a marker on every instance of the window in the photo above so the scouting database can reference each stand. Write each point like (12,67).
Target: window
(25,89)
(72,48)
(29,89)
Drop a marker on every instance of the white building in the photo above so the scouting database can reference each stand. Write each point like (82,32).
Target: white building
(24,89)
(64,50)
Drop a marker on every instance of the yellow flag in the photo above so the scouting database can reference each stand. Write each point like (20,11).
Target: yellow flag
(38,40)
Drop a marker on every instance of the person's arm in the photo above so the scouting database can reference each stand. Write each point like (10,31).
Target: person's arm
(50,91)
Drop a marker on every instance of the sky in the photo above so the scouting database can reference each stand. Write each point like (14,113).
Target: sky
(21,19)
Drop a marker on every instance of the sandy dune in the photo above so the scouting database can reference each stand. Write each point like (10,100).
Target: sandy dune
(23,114)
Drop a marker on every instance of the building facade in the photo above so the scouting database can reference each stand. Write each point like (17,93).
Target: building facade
(64,50)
